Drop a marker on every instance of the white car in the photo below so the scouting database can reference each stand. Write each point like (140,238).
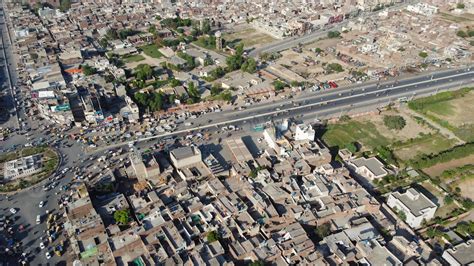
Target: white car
(42,246)
(41,204)
(48,255)
(13,210)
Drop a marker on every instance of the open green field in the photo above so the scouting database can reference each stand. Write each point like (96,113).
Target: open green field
(427,144)
(133,58)
(450,110)
(151,50)
(365,133)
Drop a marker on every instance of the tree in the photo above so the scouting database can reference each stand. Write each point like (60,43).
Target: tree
(257,263)
(448,199)
(152,30)
(64,5)
(206,28)
(104,42)
(143,72)
(335,67)
(249,66)
(157,101)
(141,98)
(279,85)
(352,147)
(423,54)
(461,33)
(402,215)
(323,230)
(334,34)
(460,6)
(122,216)
(88,70)
(174,82)
(394,122)
(226,96)
(193,92)
(111,34)
(215,90)
(235,61)
(212,236)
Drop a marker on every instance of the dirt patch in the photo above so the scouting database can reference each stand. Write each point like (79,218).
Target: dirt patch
(459,109)
(467,188)
(249,36)
(439,168)
(411,130)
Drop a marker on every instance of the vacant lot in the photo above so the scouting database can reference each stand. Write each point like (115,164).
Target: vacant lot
(451,110)
(365,133)
(437,196)
(250,37)
(430,144)
(133,58)
(436,170)
(151,50)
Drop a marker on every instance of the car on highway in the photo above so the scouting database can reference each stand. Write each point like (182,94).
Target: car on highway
(38,219)
(48,255)
(13,210)
(41,204)
(42,246)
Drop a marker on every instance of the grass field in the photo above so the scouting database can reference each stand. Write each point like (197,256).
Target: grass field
(151,50)
(450,110)
(133,58)
(423,145)
(365,133)
(453,18)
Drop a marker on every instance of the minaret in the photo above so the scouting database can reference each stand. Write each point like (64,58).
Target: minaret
(218,35)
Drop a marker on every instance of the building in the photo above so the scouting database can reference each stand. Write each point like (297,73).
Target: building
(460,254)
(416,206)
(22,167)
(188,163)
(304,132)
(368,168)
(144,166)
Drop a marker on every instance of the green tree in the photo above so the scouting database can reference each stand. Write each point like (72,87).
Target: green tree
(235,61)
(279,85)
(323,230)
(448,199)
(423,54)
(402,215)
(257,263)
(152,30)
(143,72)
(212,236)
(104,42)
(215,90)
(174,82)
(193,92)
(64,5)
(334,34)
(122,216)
(461,33)
(394,122)
(111,34)
(460,6)
(335,67)
(226,96)
(249,66)
(352,147)
(88,70)
(141,98)
(206,28)
(157,102)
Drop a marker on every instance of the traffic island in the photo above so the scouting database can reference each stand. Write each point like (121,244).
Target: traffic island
(26,167)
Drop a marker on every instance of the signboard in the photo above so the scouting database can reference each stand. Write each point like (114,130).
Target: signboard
(63,107)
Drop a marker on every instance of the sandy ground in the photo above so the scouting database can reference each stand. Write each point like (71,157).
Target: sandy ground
(411,130)
(439,168)
(249,36)
(460,108)
(467,188)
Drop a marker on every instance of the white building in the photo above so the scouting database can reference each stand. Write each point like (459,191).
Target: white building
(304,132)
(423,9)
(22,167)
(416,206)
(368,168)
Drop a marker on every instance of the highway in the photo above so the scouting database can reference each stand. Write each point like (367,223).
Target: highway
(327,104)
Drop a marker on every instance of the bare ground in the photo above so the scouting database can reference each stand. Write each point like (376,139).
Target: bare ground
(439,168)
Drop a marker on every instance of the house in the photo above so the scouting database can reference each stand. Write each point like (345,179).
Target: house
(416,206)
(368,168)
(460,254)
(304,133)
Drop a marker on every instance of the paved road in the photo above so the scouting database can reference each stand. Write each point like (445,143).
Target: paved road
(10,78)
(330,103)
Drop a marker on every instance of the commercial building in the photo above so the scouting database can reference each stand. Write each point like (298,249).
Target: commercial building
(22,167)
